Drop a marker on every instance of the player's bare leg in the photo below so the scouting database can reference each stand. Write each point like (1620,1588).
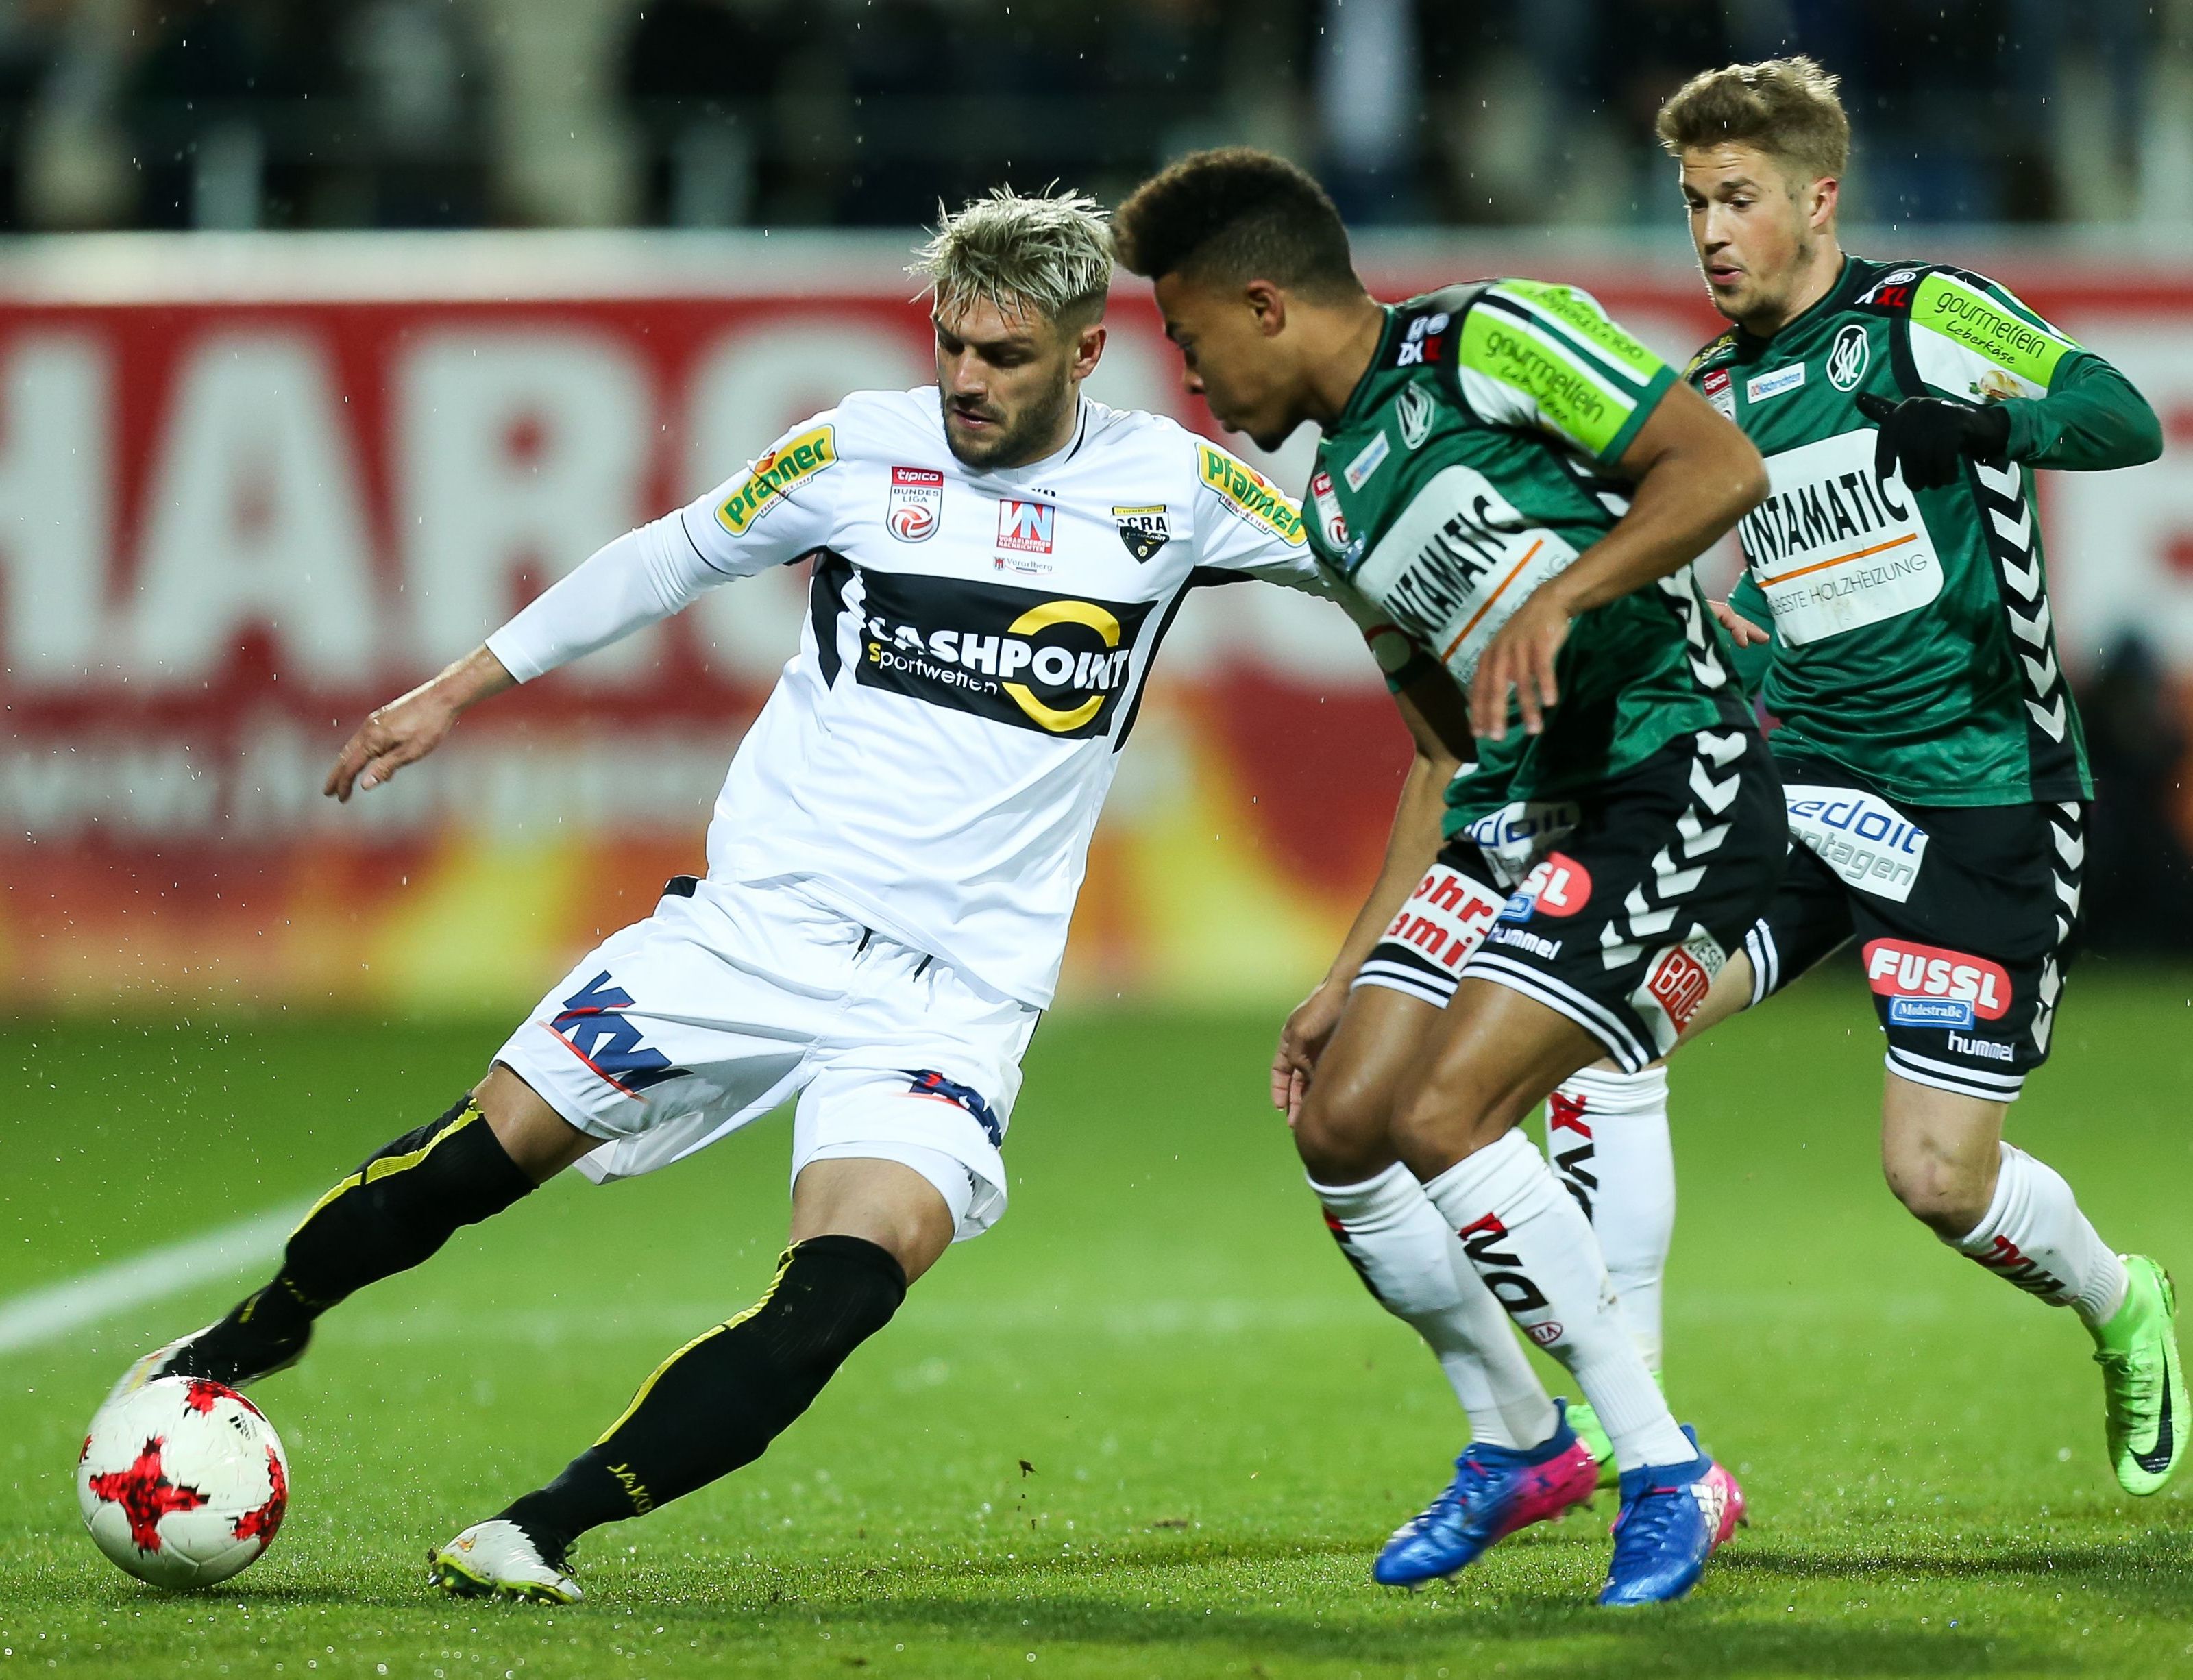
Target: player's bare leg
(403,1203)
(862,1230)
(1944,1157)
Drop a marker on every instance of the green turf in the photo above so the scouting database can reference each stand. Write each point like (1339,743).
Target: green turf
(1151,1426)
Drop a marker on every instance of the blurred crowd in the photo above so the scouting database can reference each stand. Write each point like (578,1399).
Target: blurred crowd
(242,113)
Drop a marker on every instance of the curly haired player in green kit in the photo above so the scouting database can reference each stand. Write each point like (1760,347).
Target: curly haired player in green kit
(1509,491)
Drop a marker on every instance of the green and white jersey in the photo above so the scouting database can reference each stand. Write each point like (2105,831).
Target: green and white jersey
(1913,644)
(1477,458)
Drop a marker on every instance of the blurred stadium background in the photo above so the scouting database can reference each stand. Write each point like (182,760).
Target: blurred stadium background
(328,332)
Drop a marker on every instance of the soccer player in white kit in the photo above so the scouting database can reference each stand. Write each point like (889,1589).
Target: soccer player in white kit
(892,860)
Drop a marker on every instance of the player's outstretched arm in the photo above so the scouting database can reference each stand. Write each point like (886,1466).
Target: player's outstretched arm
(1432,707)
(1696,475)
(411,726)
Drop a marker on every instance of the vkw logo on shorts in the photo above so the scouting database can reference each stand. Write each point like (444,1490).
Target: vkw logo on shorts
(927,1082)
(916,506)
(591,1024)
(1847,360)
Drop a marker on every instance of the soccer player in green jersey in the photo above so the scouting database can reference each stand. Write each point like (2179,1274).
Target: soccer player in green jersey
(1928,744)
(1508,493)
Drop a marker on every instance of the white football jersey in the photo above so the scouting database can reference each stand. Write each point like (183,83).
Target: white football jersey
(933,759)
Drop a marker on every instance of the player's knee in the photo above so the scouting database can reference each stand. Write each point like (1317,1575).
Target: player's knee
(1941,1194)
(1342,1133)
(1436,1125)
(539,1141)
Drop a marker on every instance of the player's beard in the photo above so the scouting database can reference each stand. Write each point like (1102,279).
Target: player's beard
(1026,438)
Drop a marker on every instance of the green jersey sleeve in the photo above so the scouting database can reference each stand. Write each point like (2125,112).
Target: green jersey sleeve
(1974,338)
(1548,358)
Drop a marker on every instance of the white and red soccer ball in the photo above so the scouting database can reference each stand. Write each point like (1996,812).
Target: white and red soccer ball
(182,1483)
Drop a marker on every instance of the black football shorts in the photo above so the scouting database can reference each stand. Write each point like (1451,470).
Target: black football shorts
(1964,917)
(1616,907)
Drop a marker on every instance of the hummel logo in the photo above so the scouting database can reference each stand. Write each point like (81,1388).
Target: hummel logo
(2157,1458)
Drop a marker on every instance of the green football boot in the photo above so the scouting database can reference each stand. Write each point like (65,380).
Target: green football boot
(2143,1380)
(1585,1422)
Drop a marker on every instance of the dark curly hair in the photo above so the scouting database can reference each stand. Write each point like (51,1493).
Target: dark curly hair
(1233,215)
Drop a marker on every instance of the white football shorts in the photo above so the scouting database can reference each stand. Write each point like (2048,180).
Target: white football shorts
(676,1030)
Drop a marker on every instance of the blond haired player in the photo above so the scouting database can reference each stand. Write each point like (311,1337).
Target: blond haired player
(891,865)
(1929,745)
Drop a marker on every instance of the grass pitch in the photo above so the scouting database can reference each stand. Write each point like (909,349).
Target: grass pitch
(1150,1425)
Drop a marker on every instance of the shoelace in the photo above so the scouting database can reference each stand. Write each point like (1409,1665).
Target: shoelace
(1644,1522)
(2135,1384)
(1470,1479)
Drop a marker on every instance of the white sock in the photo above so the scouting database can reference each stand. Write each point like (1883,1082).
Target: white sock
(1534,1249)
(2034,1236)
(1399,1244)
(1607,1134)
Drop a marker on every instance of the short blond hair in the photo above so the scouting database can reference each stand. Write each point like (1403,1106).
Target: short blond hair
(1050,253)
(1787,108)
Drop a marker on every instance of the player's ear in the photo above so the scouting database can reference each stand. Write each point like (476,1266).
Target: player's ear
(1823,198)
(1088,350)
(1267,303)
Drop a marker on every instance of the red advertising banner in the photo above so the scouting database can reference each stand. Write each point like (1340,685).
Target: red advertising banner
(248,490)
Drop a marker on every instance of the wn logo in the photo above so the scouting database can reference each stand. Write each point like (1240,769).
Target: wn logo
(606,1042)
(929,1083)
(1026,527)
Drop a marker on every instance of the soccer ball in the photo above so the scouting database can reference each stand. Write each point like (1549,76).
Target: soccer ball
(182,1483)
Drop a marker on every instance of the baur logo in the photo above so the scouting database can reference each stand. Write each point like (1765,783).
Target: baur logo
(1896,969)
(1679,983)
(1026,527)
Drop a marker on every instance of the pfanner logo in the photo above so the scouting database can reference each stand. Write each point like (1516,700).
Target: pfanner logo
(1249,494)
(769,480)
(1026,527)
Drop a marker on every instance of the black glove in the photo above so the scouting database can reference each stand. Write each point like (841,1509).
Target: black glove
(1930,435)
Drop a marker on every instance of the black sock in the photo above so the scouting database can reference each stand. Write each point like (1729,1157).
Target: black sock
(400,1206)
(719,1402)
